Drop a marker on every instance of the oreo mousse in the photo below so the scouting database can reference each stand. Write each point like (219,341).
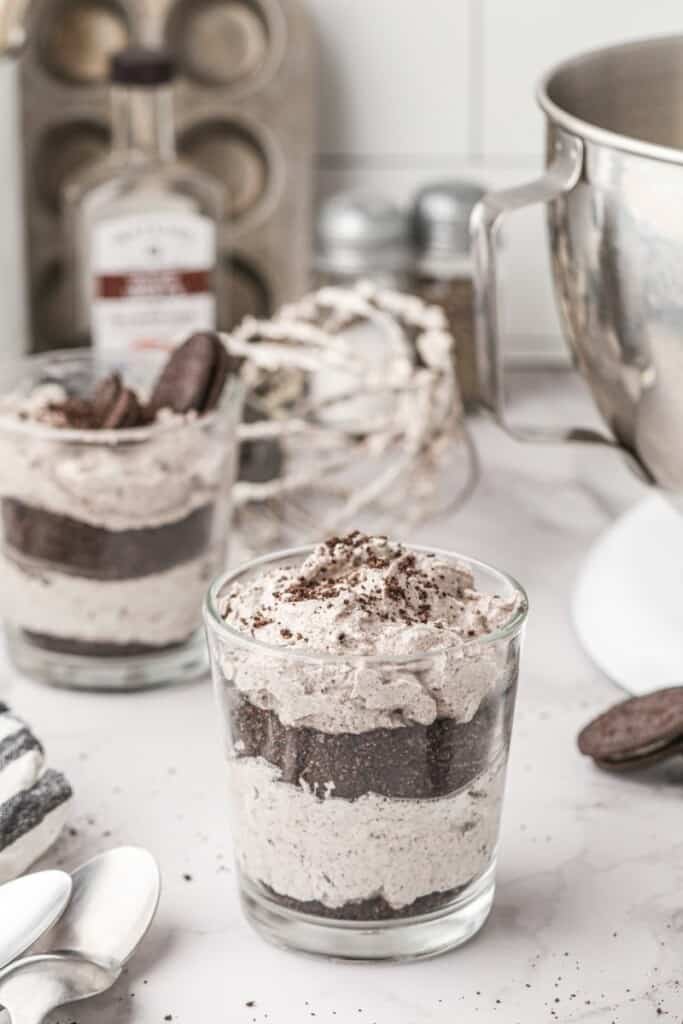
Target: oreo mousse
(369,710)
(114,501)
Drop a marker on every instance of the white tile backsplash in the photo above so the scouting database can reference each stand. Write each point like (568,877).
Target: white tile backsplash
(521,39)
(394,78)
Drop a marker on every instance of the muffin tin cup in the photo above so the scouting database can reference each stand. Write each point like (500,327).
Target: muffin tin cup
(77,42)
(235,44)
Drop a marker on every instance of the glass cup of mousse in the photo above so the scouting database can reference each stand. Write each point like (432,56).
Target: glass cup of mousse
(366,692)
(113,519)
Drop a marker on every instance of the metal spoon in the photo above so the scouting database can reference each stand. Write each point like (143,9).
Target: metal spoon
(28,907)
(33,987)
(113,902)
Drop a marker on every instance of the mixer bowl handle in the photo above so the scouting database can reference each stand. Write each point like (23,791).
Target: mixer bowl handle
(561,176)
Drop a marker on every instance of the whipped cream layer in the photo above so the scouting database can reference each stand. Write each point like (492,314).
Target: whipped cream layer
(172,468)
(339,851)
(159,609)
(366,596)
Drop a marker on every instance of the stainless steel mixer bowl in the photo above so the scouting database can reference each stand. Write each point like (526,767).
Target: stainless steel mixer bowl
(614,192)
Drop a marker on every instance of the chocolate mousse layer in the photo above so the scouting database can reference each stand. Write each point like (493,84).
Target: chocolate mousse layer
(376,909)
(76,547)
(94,649)
(414,762)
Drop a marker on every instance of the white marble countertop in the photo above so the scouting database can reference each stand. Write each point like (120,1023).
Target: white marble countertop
(588,920)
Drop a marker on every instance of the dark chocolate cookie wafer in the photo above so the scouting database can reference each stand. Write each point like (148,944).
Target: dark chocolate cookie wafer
(637,731)
(75,413)
(415,762)
(375,908)
(106,394)
(125,412)
(74,547)
(194,376)
(644,759)
(222,368)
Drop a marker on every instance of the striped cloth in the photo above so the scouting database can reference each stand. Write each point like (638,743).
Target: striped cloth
(33,801)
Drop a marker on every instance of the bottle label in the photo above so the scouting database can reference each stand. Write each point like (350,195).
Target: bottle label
(151,283)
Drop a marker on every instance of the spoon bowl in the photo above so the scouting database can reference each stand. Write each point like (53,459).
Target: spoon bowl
(29,906)
(113,903)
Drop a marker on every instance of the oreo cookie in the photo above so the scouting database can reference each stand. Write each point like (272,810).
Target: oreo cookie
(125,412)
(106,394)
(636,732)
(112,407)
(192,380)
(194,376)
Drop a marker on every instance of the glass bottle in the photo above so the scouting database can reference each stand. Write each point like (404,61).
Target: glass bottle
(444,271)
(142,225)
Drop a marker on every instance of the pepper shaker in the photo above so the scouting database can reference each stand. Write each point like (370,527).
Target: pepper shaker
(443,267)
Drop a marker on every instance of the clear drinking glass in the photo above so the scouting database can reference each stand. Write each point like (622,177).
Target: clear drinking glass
(111,537)
(375,845)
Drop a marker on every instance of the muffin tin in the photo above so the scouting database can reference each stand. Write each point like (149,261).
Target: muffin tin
(244,113)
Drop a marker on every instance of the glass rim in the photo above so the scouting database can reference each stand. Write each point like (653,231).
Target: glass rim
(75,435)
(214,620)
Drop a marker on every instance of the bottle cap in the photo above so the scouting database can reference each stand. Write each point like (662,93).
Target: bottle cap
(137,65)
(361,233)
(440,218)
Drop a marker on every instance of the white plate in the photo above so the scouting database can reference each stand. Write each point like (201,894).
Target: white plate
(628,601)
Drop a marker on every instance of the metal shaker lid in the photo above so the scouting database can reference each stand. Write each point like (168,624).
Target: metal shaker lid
(440,218)
(361,233)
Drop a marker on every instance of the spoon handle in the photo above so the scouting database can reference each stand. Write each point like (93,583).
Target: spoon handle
(34,986)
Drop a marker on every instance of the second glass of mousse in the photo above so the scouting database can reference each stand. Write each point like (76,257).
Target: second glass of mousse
(367,691)
(115,497)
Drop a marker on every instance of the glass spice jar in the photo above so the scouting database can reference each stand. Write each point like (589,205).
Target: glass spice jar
(443,269)
(362,235)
